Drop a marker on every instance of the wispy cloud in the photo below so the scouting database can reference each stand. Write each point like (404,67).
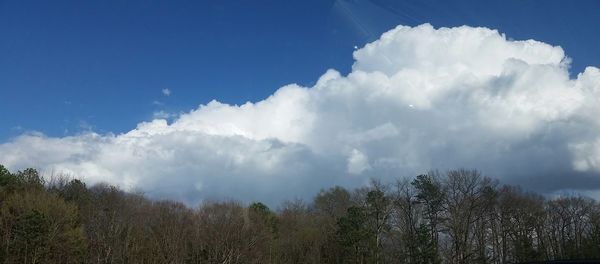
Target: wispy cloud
(166,92)
(163,115)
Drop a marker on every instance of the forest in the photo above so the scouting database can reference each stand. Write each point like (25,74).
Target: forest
(458,216)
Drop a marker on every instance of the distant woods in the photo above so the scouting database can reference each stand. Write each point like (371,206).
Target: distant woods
(455,217)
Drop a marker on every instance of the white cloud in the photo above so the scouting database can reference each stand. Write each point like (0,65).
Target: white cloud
(417,98)
(166,92)
(163,115)
(357,162)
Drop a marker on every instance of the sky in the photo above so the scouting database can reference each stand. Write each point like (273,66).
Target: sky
(271,100)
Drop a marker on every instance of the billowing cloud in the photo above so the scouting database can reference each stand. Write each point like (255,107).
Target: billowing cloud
(417,98)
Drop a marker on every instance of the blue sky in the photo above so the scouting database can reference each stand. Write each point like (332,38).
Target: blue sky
(95,80)
(72,66)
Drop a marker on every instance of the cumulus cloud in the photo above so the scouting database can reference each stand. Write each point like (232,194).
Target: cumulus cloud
(166,92)
(417,98)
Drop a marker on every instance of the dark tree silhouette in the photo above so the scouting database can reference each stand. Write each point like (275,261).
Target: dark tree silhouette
(456,217)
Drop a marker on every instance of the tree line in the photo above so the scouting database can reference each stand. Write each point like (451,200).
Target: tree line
(459,216)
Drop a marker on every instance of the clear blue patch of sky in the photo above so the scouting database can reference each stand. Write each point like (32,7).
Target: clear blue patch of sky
(72,66)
